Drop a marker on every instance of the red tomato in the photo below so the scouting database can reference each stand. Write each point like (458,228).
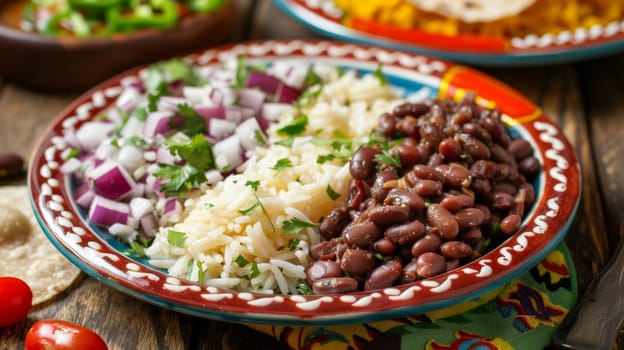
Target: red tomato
(15,300)
(62,335)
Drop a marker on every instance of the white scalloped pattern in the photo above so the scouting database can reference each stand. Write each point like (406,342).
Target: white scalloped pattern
(567,37)
(60,214)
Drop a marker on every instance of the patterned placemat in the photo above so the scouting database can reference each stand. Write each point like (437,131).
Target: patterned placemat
(520,315)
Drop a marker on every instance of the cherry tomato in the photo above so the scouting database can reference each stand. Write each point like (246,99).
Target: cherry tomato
(62,335)
(15,300)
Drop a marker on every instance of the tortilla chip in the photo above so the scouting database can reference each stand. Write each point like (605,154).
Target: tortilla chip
(474,10)
(25,250)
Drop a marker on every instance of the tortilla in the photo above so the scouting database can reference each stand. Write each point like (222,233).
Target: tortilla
(26,252)
(474,10)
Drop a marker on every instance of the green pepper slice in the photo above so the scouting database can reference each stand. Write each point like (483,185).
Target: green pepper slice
(77,24)
(94,4)
(204,5)
(143,14)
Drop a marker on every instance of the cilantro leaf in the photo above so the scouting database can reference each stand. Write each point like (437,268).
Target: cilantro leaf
(137,248)
(241,261)
(312,78)
(180,178)
(380,76)
(331,193)
(137,141)
(176,238)
(192,123)
(282,164)
(303,288)
(253,184)
(295,226)
(385,158)
(249,210)
(287,142)
(197,152)
(295,128)
(293,243)
(255,272)
(178,70)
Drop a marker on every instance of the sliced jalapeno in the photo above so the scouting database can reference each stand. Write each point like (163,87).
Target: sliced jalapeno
(143,14)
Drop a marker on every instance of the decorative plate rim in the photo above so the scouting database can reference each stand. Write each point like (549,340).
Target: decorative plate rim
(567,46)
(542,230)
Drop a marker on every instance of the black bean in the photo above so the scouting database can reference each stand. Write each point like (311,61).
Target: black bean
(529,167)
(450,149)
(483,168)
(481,187)
(334,285)
(358,191)
(425,172)
(475,147)
(387,215)
(432,134)
(477,131)
(502,201)
(411,109)
(409,126)
(384,276)
(500,155)
(408,154)
(387,124)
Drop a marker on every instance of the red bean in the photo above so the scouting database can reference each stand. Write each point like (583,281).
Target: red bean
(408,154)
(358,191)
(429,243)
(334,285)
(500,155)
(469,217)
(384,246)
(477,131)
(426,172)
(520,149)
(529,167)
(457,202)
(362,164)
(475,147)
(362,234)
(455,175)
(357,261)
(443,220)
(450,149)
(406,233)
(324,250)
(405,198)
(409,126)
(471,236)
(322,269)
(455,250)
(384,276)
(428,188)
(387,215)
(411,109)
(430,264)
(501,201)
(333,224)
(510,224)
(387,124)
(382,185)
(483,168)
(410,272)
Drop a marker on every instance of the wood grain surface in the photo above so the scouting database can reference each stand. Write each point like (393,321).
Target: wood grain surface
(585,98)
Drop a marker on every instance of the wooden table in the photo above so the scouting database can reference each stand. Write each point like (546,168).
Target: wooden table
(585,98)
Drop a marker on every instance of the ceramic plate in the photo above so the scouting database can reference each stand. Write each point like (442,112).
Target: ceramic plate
(102,257)
(323,16)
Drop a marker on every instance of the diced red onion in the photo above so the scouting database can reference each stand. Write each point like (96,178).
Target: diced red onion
(211,112)
(165,157)
(106,212)
(170,103)
(287,94)
(105,151)
(251,98)
(213,176)
(139,207)
(195,94)
(172,206)
(157,123)
(228,152)
(263,81)
(148,225)
(219,128)
(84,195)
(91,134)
(127,232)
(128,100)
(133,127)
(290,73)
(70,166)
(111,180)
(248,133)
(130,157)
(272,111)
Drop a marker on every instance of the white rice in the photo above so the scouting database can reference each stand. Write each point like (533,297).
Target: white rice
(217,234)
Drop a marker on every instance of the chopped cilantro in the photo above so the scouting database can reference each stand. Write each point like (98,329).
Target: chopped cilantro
(259,137)
(287,142)
(309,95)
(255,272)
(241,261)
(180,178)
(293,243)
(176,238)
(331,193)
(295,226)
(200,272)
(295,128)
(152,99)
(241,72)
(282,164)
(312,78)
(197,152)
(253,184)
(380,76)
(137,141)
(139,113)
(72,153)
(249,210)
(138,248)
(192,123)
(385,158)
(303,288)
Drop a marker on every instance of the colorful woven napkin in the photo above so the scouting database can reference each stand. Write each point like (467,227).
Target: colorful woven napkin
(520,315)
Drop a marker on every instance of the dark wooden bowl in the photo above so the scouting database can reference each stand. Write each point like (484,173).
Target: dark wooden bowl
(74,64)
